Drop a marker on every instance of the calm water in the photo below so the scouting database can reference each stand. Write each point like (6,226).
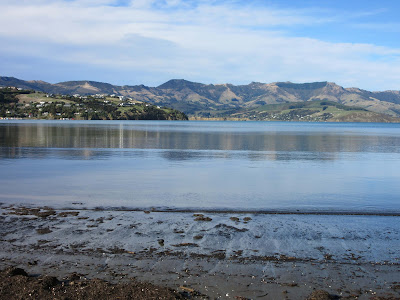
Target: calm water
(214,165)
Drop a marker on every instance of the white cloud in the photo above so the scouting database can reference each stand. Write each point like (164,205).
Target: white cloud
(211,41)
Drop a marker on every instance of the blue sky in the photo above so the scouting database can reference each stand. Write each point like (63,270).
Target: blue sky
(352,43)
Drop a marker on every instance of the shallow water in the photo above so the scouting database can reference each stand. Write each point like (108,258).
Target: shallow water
(267,166)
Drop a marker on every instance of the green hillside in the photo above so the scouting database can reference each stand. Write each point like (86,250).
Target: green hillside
(30,104)
(311,111)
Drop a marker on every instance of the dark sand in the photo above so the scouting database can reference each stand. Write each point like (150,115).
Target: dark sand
(15,283)
(161,255)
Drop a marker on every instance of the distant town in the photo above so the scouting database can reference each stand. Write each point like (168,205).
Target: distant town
(17,103)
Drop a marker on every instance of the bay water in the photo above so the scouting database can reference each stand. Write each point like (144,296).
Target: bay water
(238,166)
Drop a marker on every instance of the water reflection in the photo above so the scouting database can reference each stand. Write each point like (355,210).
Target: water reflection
(99,140)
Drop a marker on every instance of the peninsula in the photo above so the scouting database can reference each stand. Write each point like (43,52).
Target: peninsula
(279,101)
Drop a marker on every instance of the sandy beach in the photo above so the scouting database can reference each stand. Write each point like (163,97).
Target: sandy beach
(223,255)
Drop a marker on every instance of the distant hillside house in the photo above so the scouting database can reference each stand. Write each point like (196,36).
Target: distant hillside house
(125,104)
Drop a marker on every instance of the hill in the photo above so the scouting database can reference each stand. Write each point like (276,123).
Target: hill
(226,100)
(15,103)
(313,111)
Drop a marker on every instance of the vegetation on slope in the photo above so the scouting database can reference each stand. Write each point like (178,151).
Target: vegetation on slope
(311,111)
(16,103)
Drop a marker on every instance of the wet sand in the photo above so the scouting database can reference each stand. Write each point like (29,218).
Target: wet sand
(214,254)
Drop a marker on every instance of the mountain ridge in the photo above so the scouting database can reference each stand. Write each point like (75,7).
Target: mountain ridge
(217,100)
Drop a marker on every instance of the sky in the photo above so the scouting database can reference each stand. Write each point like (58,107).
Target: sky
(129,42)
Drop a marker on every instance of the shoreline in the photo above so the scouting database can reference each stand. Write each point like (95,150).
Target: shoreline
(194,119)
(220,254)
(241,211)
(209,210)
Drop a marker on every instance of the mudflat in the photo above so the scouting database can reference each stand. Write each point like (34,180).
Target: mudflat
(200,255)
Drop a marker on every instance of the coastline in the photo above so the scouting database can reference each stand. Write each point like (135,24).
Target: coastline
(199,119)
(219,255)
